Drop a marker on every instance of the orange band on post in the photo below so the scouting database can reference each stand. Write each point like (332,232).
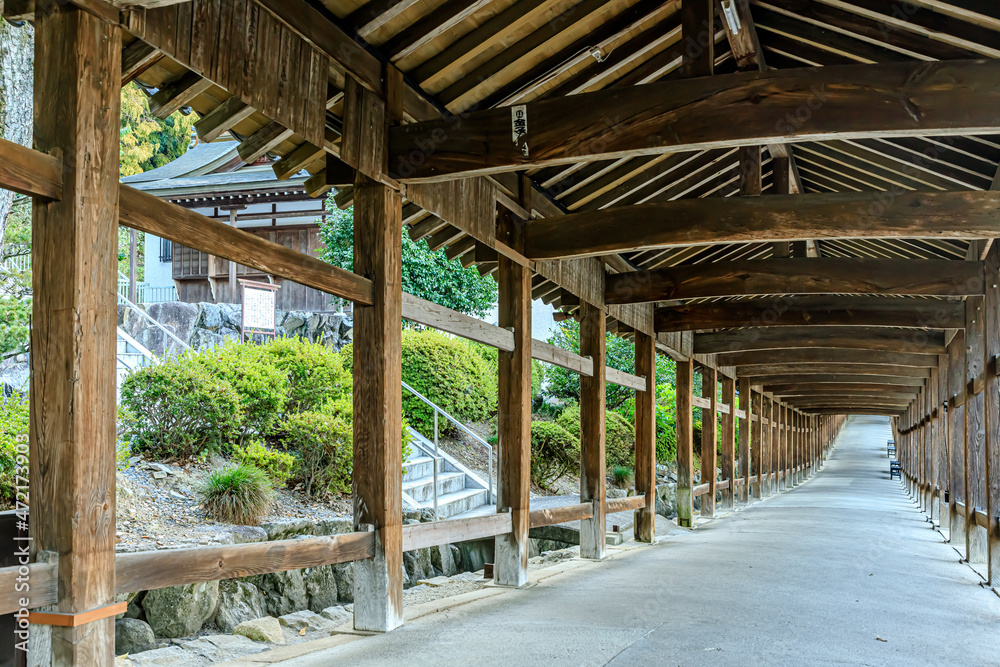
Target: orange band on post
(74,620)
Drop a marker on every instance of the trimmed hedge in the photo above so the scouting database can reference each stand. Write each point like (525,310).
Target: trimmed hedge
(554,453)
(315,373)
(619,435)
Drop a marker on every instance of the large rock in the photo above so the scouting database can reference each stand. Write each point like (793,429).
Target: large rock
(337,614)
(133,636)
(418,564)
(286,529)
(171,656)
(247,534)
(238,602)
(307,620)
(344,575)
(211,316)
(265,629)
(284,592)
(220,648)
(666,500)
(178,317)
(476,553)
(180,611)
(443,561)
(321,586)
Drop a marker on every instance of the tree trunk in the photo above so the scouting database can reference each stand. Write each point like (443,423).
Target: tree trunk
(16,76)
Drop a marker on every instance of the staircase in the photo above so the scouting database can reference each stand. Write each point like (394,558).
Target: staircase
(131,356)
(459,490)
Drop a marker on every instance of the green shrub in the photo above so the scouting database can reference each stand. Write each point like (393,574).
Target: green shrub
(622,476)
(619,435)
(315,373)
(554,453)
(240,494)
(262,387)
(321,444)
(276,465)
(449,372)
(14,418)
(178,409)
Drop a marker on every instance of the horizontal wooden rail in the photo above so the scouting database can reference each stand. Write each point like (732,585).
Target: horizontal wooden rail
(29,172)
(625,504)
(451,321)
(434,533)
(699,402)
(981,518)
(741,414)
(722,407)
(146,570)
(724,484)
(554,515)
(700,490)
(44,587)
(623,379)
(562,358)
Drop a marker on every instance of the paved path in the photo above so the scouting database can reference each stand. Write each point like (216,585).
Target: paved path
(813,576)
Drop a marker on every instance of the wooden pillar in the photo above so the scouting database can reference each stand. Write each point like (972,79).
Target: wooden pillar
(75,284)
(784,448)
(709,439)
(698,34)
(743,491)
(729,442)
(991,320)
(511,559)
(593,466)
(757,446)
(685,443)
(975,429)
(770,442)
(944,462)
(956,435)
(645,438)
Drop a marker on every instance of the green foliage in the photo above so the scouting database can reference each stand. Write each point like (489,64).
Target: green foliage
(13,446)
(449,372)
(179,409)
(276,465)
(315,373)
(426,274)
(322,445)
(262,386)
(15,313)
(241,494)
(147,142)
(564,384)
(622,476)
(619,435)
(554,453)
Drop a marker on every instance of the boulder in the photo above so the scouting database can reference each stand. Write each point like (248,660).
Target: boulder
(456,557)
(221,648)
(321,586)
(442,560)
(666,500)
(170,656)
(238,602)
(180,611)
(211,316)
(265,629)
(344,575)
(133,636)
(617,493)
(179,317)
(310,621)
(284,592)
(247,534)
(337,614)
(477,553)
(418,564)
(232,315)
(288,528)
(335,526)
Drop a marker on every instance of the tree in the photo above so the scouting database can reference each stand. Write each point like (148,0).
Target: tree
(426,274)
(16,104)
(146,141)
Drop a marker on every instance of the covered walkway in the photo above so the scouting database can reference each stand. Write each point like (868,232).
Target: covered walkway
(818,575)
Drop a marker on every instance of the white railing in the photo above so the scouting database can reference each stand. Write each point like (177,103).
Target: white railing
(18,263)
(145,293)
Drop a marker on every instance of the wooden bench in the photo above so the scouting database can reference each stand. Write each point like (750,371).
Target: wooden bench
(895,470)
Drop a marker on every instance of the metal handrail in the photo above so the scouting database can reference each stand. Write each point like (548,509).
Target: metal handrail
(124,299)
(473,435)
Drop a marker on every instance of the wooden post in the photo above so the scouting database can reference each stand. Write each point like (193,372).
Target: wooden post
(709,438)
(769,445)
(782,449)
(645,438)
(956,435)
(593,466)
(757,447)
(511,558)
(744,435)
(685,443)
(942,443)
(975,430)
(698,33)
(991,319)
(729,441)
(75,283)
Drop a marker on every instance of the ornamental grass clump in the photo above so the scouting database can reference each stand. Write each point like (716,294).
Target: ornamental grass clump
(241,495)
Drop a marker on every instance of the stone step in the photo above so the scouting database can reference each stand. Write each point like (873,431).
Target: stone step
(456,503)
(423,489)
(419,467)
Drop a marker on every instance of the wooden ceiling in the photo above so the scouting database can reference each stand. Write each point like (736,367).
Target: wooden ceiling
(468,55)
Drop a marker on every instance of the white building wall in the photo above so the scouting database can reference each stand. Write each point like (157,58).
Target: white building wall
(157,274)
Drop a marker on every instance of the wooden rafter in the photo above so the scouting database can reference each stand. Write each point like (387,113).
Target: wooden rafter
(859,338)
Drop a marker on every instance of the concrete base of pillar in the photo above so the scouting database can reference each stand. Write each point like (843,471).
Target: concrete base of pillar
(510,561)
(976,548)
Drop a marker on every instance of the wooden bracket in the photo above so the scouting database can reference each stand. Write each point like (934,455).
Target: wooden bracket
(66,620)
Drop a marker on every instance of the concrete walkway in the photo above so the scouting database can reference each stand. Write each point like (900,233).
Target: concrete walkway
(843,569)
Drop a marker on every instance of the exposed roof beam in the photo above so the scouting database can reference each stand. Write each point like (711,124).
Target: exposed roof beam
(859,338)
(826,355)
(813,311)
(770,381)
(853,101)
(820,368)
(715,220)
(797,276)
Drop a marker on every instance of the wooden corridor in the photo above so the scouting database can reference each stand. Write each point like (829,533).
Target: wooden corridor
(815,576)
(796,200)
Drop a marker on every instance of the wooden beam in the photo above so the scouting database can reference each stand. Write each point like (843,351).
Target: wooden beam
(991,323)
(137,57)
(812,311)
(645,438)
(832,368)
(718,220)
(431,314)
(728,442)
(745,427)
(845,383)
(826,355)
(435,533)
(378,233)
(222,119)
(75,256)
(685,443)
(771,381)
(749,108)
(593,466)
(177,94)
(564,514)
(709,437)
(975,429)
(30,172)
(698,33)
(263,141)
(152,215)
(797,276)
(860,338)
